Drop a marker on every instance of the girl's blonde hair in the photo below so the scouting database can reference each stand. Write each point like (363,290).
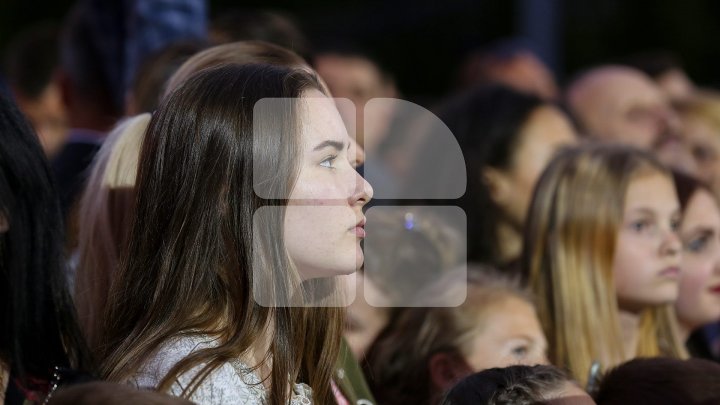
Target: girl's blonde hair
(398,361)
(570,241)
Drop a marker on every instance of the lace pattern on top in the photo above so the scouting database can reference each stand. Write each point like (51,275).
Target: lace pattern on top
(232,383)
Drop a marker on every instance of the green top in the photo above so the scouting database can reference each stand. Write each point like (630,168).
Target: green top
(350,379)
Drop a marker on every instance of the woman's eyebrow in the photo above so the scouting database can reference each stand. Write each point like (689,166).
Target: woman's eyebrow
(334,144)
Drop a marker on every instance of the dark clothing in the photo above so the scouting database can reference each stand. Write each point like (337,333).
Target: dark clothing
(71,166)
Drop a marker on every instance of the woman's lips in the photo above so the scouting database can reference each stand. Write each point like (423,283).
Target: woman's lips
(670,272)
(715,289)
(359,228)
(359,231)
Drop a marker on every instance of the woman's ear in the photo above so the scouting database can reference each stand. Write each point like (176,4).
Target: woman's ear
(498,185)
(446,369)
(4,226)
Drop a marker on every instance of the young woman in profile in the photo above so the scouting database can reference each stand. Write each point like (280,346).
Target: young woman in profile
(105,212)
(602,255)
(40,341)
(507,138)
(698,303)
(235,214)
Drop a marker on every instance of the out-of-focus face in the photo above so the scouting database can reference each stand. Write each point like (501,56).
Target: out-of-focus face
(509,333)
(359,80)
(676,85)
(324,223)
(623,105)
(703,139)
(699,299)
(525,72)
(546,130)
(47,114)
(647,255)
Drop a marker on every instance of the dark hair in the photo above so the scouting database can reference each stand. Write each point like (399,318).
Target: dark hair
(661,380)
(38,329)
(31,58)
(686,186)
(514,385)
(653,63)
(261,25)
(150,80)
(89,54)
(486,122)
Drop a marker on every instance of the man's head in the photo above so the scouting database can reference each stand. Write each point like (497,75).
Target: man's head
(621,104)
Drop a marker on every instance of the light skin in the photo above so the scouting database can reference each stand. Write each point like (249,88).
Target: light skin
(676,85)
(508,333)
(704,142)
(646,266)
(699,300)
(325,205)
(511,335)
(47,114)
(324,223)
(359,80)
(546,131)
(623,105)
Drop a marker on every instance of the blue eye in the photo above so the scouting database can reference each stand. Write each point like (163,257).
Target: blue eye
(698,244)
(328,162)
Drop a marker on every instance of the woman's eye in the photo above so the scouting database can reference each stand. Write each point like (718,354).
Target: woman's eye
(328,162)
(520,352)
(675,225)
(640,226)
(698,244)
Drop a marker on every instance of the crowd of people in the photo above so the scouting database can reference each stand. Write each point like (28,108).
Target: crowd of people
(225,212)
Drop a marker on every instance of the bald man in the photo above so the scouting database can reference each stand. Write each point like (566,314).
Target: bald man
(621,104)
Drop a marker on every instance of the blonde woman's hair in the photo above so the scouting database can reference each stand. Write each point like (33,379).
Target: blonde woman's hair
(704,105)
(570,241)
(105,219)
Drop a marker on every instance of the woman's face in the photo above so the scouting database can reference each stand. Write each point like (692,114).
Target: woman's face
(546,130)
(511,334)
(647,254)
(324,223)
(704,142)
(699,299)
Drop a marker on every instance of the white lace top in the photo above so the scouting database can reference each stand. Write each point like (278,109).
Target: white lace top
(232,383)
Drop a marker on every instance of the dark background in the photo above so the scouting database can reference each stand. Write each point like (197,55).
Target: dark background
(423,42)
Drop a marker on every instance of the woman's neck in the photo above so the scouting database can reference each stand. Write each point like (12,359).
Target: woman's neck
(630,329)
(509,242)
(257,353)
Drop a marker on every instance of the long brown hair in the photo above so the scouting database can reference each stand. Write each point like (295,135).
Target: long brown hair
(105,212)
(570,241)
(190,257)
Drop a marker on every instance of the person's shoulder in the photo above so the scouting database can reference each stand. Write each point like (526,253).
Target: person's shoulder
(228,384)
(167,356)
(231,383)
